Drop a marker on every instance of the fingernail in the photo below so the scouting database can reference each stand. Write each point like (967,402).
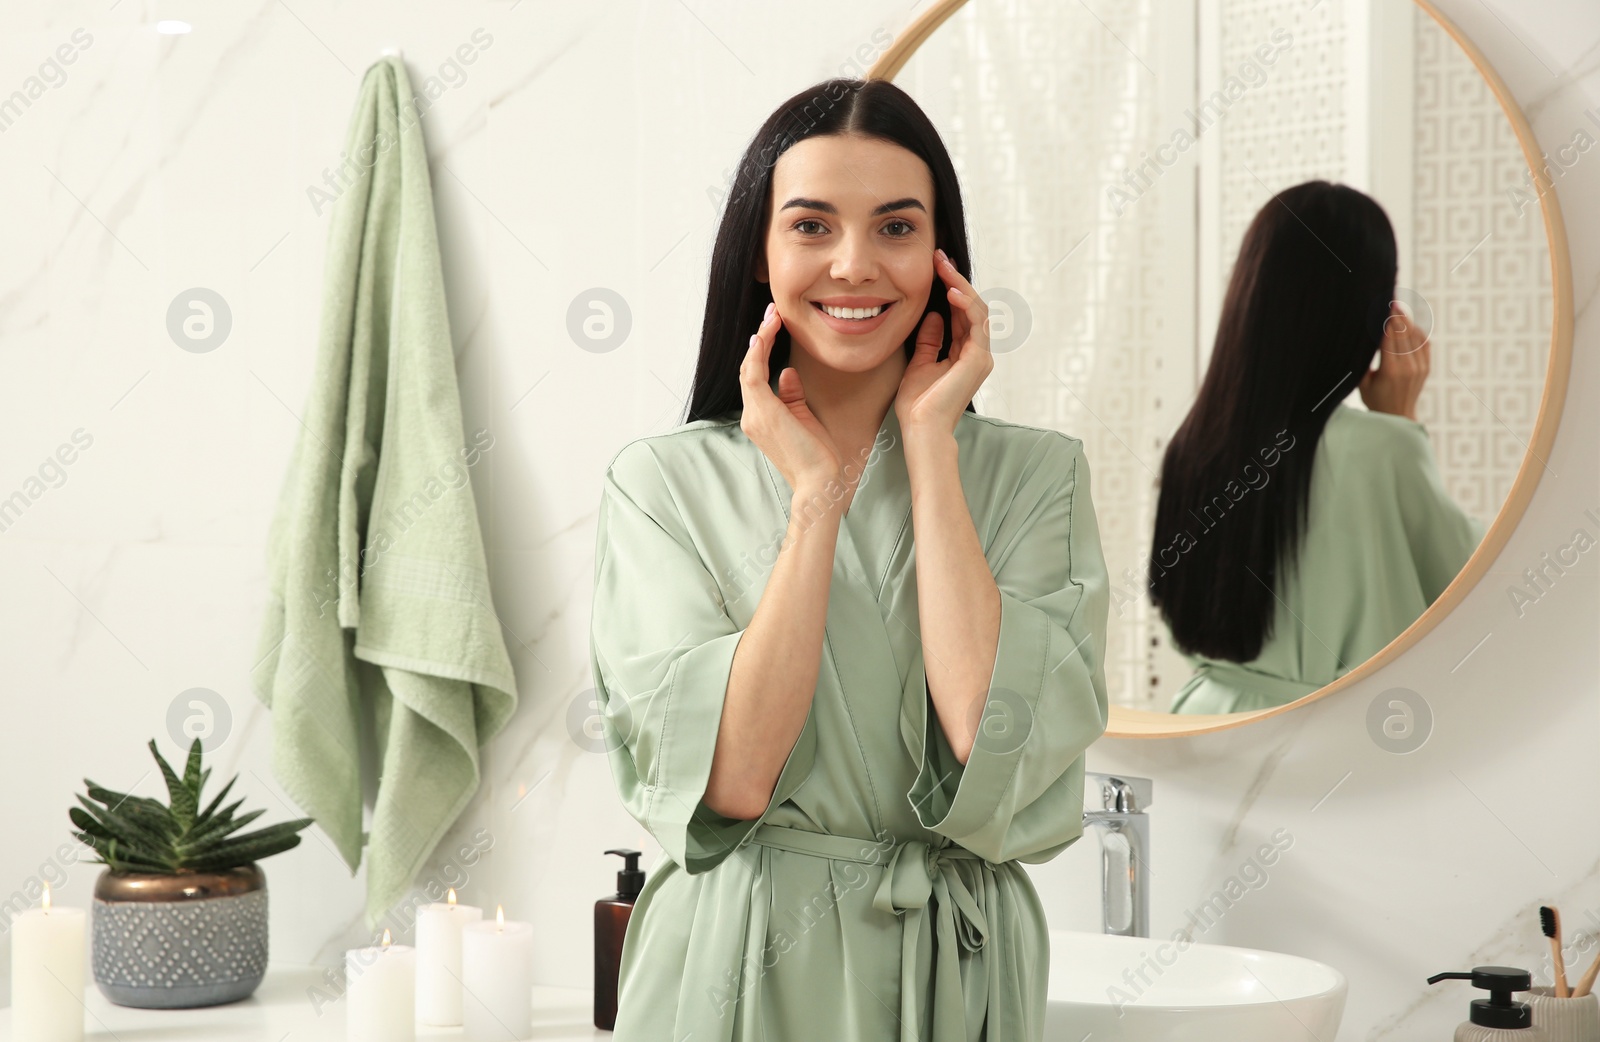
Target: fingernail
(772,306)
(942,255)
(752,342)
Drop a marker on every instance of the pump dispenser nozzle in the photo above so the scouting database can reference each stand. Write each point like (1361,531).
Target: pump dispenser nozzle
(1499,1010)
(630,881)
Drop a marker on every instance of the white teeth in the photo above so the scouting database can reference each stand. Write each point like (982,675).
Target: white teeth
(856,313)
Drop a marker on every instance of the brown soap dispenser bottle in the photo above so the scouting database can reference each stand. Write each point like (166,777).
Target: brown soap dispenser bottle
(610,927)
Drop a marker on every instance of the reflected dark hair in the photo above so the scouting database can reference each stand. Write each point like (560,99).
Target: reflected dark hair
(735,301)
(1303,317)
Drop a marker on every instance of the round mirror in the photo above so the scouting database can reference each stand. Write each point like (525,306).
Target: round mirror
(1114,159)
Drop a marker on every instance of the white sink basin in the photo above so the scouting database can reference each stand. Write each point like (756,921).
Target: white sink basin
(1140,989)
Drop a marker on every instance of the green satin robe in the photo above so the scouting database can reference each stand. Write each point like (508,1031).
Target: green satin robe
(878,896)
(1383,539)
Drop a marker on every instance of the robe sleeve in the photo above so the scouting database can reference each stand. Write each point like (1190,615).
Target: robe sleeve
(1020,794)
(661,647)
(1441,535)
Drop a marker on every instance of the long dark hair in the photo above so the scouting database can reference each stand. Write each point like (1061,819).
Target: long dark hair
(735,301)
(1303,317)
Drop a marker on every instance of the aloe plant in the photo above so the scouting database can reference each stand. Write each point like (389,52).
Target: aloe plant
(139,834)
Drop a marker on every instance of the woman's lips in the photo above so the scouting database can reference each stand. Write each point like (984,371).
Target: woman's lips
(856,326)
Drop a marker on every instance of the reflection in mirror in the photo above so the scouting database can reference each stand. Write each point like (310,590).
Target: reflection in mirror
(1114,157)
(1296,535)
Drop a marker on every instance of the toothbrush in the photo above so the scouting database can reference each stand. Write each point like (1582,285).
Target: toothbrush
(1586,982)
(1550,920)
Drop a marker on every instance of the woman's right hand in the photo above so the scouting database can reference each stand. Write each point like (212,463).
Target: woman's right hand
(1396,384)
(782,425)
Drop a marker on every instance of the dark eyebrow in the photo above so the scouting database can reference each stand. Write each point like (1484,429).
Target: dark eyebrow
(908,203)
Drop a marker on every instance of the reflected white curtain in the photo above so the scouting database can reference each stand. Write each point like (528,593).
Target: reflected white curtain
(1044,105)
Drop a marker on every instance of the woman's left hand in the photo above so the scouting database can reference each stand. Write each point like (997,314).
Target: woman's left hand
(934,394)
(1403,363)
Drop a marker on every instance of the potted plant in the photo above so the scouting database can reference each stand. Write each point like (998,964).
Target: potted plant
(180,911)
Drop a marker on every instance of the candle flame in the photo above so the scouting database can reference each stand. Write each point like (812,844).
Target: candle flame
(500,916)
(387,940)
(451,896)
(47,897)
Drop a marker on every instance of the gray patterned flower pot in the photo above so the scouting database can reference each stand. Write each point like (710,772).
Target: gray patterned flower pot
(179,941)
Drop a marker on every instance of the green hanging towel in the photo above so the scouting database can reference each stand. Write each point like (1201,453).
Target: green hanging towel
(380,633)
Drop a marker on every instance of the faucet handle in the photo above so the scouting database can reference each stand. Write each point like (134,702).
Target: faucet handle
(1119,792)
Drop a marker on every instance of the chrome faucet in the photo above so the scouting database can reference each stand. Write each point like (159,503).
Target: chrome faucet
(1124,830)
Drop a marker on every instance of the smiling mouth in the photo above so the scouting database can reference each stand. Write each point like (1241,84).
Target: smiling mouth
(865,318)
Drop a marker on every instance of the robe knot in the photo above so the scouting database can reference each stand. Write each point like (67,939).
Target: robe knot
(917,871)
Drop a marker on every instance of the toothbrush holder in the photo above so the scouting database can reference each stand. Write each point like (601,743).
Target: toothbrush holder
(1565,1020)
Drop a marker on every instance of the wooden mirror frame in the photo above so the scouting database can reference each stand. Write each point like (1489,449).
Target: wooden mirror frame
(1125,722)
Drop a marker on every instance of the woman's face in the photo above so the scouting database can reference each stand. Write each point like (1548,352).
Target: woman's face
(850,223)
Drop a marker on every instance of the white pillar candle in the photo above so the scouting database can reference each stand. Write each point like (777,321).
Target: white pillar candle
(48,956)
(439,961)
(380,987)
(497,980)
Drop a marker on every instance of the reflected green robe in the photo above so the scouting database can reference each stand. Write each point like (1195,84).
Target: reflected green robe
(879,895)
(1383,539)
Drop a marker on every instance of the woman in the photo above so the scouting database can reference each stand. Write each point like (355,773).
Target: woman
(1296,536)
(841,835)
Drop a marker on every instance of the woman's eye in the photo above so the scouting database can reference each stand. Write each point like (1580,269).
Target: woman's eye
(800,225)
(910,228)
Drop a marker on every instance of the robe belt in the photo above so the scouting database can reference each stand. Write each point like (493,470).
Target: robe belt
(1252,688)
(914,872)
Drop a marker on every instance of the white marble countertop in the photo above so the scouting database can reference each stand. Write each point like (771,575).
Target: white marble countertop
(283,1010)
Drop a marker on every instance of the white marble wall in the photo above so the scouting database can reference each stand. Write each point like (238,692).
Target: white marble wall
(583,148)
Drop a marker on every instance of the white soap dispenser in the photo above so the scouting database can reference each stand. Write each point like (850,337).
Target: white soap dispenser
(1498,1018)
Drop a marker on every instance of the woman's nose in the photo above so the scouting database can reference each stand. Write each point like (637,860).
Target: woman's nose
(855,258)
